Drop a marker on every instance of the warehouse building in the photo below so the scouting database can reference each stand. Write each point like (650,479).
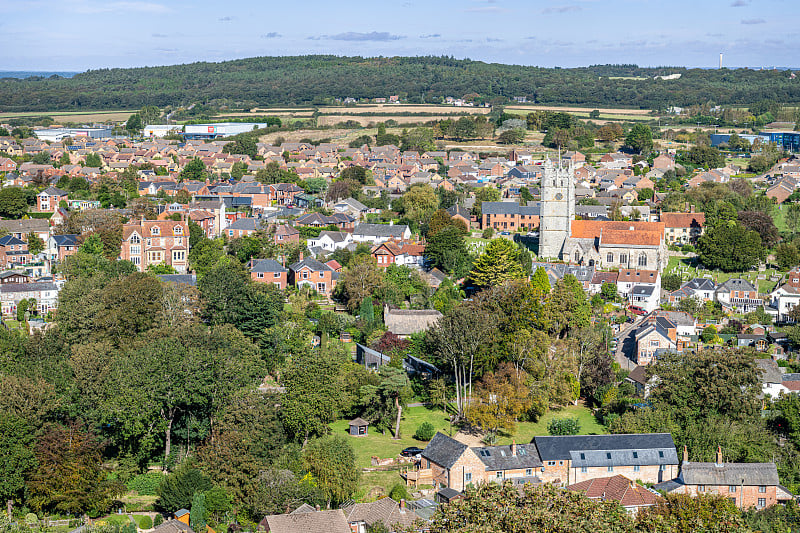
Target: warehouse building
(59,134)
(219,129)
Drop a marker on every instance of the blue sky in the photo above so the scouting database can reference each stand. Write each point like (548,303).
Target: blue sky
(83,34)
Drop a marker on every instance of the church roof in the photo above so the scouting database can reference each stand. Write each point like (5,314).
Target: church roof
(625,233)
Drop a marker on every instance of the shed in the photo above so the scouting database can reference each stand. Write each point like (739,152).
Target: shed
(359,427)
(447,495)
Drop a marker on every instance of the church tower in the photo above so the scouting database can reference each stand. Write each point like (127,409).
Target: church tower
(557,209)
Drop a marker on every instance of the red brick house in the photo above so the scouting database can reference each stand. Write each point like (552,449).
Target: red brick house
(620,489)
(312,273)
(7,165)
(268,271)
(13,251)
(156,242)
(48,199)
(286,234)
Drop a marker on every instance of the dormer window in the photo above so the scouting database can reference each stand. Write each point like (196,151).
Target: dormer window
(135,239)
(154,230)
(178,230)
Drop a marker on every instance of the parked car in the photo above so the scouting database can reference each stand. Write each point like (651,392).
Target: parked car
(411,451)
(636,310)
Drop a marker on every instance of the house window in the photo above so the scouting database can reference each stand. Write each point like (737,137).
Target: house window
(136,250)
(321,287)
(642,260)
(584,469)
(662,468)
(276,275)
(305,274)
(577,256)
(623,258)
(731,488)
(551,463)
(154,230)
(468,477)
(561,463)
(701,488)
(178,255)
(635,468)
(500,475)
(177,230)
(762,502)
(610,469)
(528,471)
(260,275)
(762,488)
(610,258)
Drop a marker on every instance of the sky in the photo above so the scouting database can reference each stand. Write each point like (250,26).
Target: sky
(47,35)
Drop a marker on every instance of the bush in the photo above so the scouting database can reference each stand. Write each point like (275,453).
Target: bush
(399,492)
(425,431)
(688,249)
(158,520)
(564,426)
(487,233)
(146,484)
(143,521)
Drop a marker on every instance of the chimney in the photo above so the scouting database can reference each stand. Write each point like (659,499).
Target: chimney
(514,448)
(685,454)
(719,456)
(301,256)
(402,505)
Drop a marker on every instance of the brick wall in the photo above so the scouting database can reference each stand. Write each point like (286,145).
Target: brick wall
(747,494)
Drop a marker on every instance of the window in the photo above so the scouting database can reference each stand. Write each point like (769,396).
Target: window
(623,258)
(584,469)
(762,488)
(731,488)
(154,230)
(500,475)
(177,230)
(577,256)
(260,275)
(701,488)
(178,255)
(136,250)
(662,468)
(661,453)
(276,275)
(468,477)
(583,456)
(551,463)
(762,502)
(136,260)
(305,274)
(635,455)
(635,468)
(610,469)
(608,455)
(610,258)
(321,287)
(528,471)
(642,260)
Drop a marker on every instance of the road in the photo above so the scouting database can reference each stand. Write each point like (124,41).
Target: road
(626,345)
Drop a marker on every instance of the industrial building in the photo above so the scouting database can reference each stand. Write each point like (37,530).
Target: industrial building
(58,134)
(786,140)
(219,129)
(161,130)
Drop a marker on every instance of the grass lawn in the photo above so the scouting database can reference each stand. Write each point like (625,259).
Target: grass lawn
(376,483)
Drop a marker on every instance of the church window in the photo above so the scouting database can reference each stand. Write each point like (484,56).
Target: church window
(610,258)
(559,196)
(642,260)
(577,257)
(623,258)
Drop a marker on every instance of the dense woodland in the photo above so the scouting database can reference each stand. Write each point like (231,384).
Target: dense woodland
(316,79)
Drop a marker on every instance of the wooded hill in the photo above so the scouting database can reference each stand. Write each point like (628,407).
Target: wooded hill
(313,79)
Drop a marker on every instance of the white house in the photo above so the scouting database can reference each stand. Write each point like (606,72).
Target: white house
(331,240)
(380,233)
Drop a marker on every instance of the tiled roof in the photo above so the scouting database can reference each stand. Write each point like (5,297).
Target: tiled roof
(683,220)
(617,488)
(729,473)
(316,522)
(637,276)
(592,229)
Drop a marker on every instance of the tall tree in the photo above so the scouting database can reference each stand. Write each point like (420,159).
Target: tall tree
(567,308)
(497,264)
(332,462)
(16,443)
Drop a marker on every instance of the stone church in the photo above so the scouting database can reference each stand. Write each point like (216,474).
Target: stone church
(600,243)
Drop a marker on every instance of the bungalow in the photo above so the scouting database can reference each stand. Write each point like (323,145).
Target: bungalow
(268,271)
(380,233)
(352,207)
(629,494)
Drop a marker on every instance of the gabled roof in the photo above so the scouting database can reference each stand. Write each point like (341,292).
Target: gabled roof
(559,448)
(10,240)
(380,230)
(443,450)
(316,522)
(737,284)
(311,263)
(53,191)
(501,457)
(617,488)
(266,265)
(408,321)
(729,473)
(510,208)
(700,284)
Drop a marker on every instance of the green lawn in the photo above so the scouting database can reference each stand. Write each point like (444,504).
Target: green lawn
(377,483)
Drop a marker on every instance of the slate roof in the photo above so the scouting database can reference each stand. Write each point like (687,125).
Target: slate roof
(380,230)
(500,457)
(510,208)
(737,284)
(186,279)
(173,526)
(266,265)
(458,210)
(27,287)
(9,240)
(729,474)
(443,450)
(385,510)
(638,456)
(247,224)
(559,448)
(700,284)
(642,290)
(53,191)
(311,263)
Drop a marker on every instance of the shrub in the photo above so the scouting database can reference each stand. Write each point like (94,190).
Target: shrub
(564,426)
(143,521)
(487,233)
(425,431)
(399,492)
(158,520)
(146,484)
